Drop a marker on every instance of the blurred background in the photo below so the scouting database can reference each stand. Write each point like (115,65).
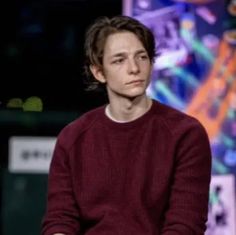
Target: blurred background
(42,89)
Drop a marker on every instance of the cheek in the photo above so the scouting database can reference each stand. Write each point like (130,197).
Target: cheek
(114,73)
(112,78)
(147,72)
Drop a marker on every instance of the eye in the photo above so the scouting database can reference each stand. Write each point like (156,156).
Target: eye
(118,61)
(143,57)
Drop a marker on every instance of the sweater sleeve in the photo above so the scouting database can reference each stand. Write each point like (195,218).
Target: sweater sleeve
(62,214)
(188,205)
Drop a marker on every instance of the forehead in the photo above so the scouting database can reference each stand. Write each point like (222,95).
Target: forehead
(122,42)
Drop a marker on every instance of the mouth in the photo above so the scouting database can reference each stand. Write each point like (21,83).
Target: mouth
(135,82)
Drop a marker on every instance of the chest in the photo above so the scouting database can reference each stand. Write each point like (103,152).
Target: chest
(123,164)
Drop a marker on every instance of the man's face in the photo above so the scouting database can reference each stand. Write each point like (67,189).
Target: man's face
(126,66)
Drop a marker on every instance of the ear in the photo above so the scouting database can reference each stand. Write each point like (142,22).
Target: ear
(97,73)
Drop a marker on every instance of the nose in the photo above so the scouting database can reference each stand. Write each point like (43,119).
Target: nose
(133,66)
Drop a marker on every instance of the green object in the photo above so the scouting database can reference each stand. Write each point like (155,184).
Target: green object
(34,104)
(15,103)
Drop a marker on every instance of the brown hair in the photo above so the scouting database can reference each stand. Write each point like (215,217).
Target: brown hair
(97,33)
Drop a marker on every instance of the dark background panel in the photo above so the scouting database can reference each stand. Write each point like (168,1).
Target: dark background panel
(43,51)
(23,203)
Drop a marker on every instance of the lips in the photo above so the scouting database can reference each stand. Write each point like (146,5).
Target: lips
(135,82)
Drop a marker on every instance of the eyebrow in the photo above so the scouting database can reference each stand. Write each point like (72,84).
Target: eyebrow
(121,54)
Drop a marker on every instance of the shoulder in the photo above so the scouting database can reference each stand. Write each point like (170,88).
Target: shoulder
(72,131)
(177,122)
(188,134)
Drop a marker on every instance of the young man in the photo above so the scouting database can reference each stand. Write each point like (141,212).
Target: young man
(133,166)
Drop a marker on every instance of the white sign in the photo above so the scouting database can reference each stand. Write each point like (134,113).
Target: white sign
(222,215)
(30,154)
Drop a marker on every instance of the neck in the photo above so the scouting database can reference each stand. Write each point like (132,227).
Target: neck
(125,110)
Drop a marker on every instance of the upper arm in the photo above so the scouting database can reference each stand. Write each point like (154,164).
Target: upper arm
(62,214)
(188,204)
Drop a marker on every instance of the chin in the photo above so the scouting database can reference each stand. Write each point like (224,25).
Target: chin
(133,95)
(138,91)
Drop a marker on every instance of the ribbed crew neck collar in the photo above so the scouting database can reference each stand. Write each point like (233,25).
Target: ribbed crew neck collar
(116,124)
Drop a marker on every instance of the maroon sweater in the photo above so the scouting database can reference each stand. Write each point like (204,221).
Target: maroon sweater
(149,176)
